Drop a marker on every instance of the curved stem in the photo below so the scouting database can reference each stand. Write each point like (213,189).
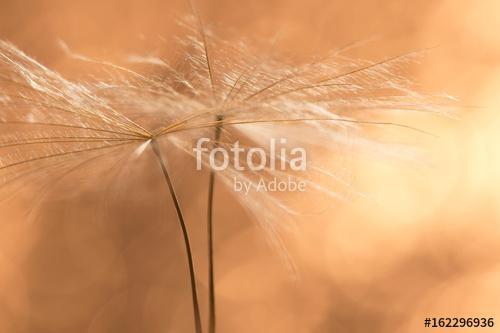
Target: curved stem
(211,285)
(210,235)
(192,275)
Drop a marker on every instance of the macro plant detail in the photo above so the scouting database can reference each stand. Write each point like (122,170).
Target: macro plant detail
(213,88)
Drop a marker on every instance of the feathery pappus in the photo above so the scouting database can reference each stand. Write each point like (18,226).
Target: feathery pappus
(217,89)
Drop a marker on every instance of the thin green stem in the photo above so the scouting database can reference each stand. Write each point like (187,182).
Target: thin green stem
(192,274)
(210,235)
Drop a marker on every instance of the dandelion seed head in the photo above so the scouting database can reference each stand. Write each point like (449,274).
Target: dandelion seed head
(326,102)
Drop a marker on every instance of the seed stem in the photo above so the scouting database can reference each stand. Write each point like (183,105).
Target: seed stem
(192,274)
(210,234)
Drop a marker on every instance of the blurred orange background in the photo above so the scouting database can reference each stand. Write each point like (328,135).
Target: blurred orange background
(423,243)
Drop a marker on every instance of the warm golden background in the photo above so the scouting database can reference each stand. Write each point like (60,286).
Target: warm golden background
(425,241)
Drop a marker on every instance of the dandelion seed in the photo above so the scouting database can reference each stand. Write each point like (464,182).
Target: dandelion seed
(222,90)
